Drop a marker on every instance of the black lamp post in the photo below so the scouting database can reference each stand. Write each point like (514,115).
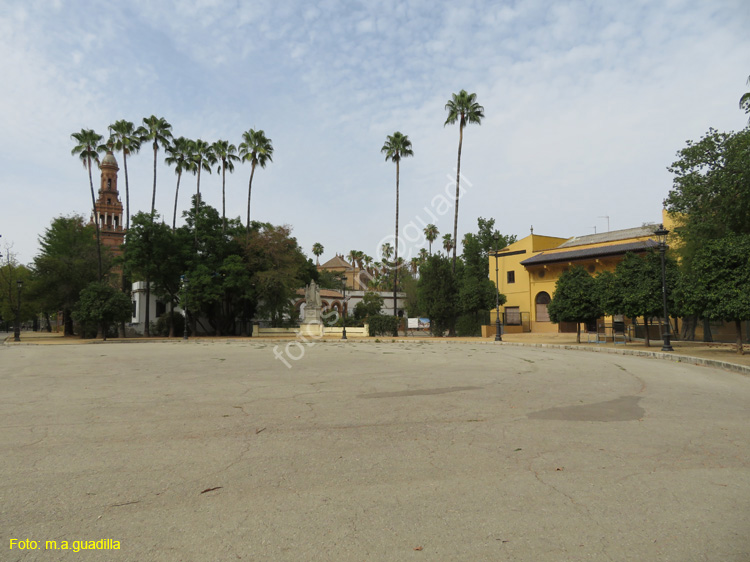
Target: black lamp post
(17,331)
(343,310)
(498,336)
(185,290)
(661,233)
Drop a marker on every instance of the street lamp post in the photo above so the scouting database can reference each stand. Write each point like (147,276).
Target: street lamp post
(185,291)
(661,233)
(17,331)
(498,336)
(343,311)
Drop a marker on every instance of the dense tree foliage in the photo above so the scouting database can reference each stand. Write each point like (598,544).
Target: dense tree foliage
(718,287)
(67,263)
(575,300)
(711,189)
(100,306)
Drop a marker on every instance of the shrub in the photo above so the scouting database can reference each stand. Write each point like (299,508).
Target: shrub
(161,328)
(381,325)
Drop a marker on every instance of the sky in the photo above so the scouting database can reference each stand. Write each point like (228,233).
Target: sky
(586,104)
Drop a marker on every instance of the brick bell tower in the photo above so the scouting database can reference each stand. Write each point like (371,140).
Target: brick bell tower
(109,208)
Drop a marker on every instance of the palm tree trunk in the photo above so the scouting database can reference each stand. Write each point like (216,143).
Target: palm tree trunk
(127,190)
(176,192)
(153,194)
(395,243)
(646,334)
(223,200)
(197,201)
(249,192)
(458,176)
(96,223)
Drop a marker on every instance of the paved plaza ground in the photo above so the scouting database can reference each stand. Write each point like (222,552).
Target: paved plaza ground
(204,451)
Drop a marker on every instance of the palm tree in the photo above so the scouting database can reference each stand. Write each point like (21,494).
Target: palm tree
(448,244)
(387,251)
(157,131)
(226,153)
(415,265)
(423,255)
(257,149)
(87,147)
(203,159)
(396,146)
(745,101)
(431,233)
(123,137)
(317,250)
(181,157)
(462,107)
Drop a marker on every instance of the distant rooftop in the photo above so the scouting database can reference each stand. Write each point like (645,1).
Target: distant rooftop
(335,262)
(613,236)
(590,253)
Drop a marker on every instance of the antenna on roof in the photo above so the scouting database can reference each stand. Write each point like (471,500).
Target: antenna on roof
(532,229)
(594,229)
(605,217)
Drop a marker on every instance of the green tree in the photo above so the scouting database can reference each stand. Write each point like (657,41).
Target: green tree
(431,233)
(462,107)
(710,196)
(639,286)
(123,137)
(66,263)
(716,287)
(745,100)
(449,245)
(203,159)
(370,305)
(11,272)
(575,299)
(226,155)
(180,156)
(317,251)
(396,147)
(158,132)
(477,294)
(279,268)
(88,148)
(101,305)
(437,293)
(257,149)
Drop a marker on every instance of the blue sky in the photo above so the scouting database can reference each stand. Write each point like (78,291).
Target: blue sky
(586,104)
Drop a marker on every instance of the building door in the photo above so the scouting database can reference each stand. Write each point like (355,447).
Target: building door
(542,300)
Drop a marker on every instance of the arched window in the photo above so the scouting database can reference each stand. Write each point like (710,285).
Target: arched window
(109,183)
(542,300)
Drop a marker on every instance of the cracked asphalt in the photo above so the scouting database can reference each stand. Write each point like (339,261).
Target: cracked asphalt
(370,451)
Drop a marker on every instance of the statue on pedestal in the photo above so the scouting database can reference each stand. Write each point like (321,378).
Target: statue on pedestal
(312,304)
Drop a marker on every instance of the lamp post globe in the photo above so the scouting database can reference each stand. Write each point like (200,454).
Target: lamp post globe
(661,233)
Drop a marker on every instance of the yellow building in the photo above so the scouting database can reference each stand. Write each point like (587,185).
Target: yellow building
(527,270)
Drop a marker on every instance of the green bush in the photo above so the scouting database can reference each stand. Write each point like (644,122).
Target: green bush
(161,327)
(381,325)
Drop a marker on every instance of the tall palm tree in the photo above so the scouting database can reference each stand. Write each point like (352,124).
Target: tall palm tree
(431,233)
(203,159)
(414,265)
(256,149)
(462,107)
(226,154)
(123,137)
(180,155)
(745,101)
(87,149)
(396,146)
(317,250)
(157,131)
(448,243)
(352,256)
